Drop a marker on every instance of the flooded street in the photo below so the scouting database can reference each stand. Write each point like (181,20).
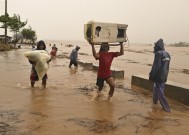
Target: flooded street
(68,105)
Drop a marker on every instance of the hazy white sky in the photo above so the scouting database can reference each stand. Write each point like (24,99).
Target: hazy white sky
(147,20)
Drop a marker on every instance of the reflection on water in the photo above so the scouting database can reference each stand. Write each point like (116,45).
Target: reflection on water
(39,101)
(37,108)
(73,70)
(103,109)
(4,56)
(154,121)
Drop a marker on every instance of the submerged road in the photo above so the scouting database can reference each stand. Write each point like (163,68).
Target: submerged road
(68,105)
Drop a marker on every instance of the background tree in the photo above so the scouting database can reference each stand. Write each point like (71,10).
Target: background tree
(29,35)
(4,19)
(15,24)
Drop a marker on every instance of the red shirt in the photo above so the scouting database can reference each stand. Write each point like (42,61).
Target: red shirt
(53,53)
(105,62)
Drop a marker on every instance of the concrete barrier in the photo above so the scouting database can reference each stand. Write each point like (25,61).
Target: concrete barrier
(86,65)
(115,72)
(178,92)
(95,67)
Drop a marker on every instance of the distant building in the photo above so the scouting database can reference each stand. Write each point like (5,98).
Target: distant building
(2,39)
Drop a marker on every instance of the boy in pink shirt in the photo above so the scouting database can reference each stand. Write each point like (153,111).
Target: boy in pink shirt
(104,72)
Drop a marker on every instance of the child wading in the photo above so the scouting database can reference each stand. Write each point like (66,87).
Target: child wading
(33,76)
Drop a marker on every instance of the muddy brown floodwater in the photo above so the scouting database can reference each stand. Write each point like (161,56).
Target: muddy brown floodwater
(68,105)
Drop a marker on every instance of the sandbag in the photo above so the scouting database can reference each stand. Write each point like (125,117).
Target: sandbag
(41,57)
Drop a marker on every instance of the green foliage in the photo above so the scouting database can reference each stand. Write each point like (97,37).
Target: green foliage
(181,44)
(4,19)
(29,34)
(15,23)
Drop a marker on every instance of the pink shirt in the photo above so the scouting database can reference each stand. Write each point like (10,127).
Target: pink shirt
(105,62)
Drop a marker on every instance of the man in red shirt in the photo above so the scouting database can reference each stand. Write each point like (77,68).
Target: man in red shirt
(104,72)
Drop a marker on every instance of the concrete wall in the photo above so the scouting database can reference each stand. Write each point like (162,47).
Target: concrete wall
(86,65)
(173,90)
(116,73)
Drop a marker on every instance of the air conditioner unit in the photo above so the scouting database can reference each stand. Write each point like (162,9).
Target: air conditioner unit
(100,32)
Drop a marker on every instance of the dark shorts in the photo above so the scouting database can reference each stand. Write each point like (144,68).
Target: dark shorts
(100,81)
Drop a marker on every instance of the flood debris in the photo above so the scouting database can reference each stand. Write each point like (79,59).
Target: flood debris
(150,123)
(7,120)
(185,71)
(87,90)
(83,54)
(63,55)
(97,126)
(38,114)
(69,45)
(5,127)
